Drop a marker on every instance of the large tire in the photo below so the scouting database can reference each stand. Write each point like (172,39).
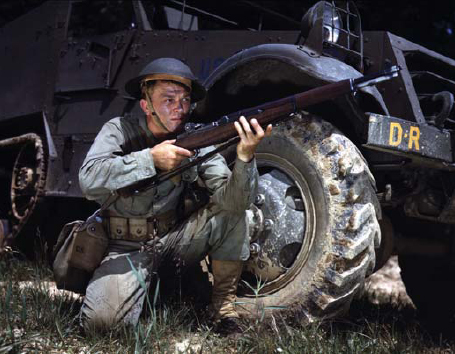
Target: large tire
(340,232)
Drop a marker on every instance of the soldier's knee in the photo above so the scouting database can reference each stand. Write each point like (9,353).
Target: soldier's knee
(233,237)
(94,320)
(235,223)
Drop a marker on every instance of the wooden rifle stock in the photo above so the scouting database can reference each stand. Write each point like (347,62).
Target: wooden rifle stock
(222,130)
(268,113)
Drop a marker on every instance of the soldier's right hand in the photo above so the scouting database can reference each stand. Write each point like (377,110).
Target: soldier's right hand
(167,156)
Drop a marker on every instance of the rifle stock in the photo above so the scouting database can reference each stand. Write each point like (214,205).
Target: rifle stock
(223,129)
(268,113)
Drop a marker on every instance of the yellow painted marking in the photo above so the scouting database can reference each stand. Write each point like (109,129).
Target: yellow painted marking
(396,136)
(395,127)
(414,135)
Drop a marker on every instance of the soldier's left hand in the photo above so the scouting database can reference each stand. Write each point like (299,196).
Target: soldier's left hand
(249,138)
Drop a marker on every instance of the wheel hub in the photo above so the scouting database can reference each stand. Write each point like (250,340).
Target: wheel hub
(277,227)
(28,178)
(24,178)
(27,181)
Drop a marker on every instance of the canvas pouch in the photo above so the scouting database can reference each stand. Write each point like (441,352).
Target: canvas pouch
(79,250)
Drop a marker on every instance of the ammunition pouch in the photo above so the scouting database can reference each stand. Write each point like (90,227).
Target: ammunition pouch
(138,229)
(79,250)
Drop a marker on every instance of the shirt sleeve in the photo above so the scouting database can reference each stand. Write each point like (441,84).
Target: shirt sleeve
(233,191)
(105,170)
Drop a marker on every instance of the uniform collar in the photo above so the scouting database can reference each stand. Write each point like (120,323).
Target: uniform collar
(143,125)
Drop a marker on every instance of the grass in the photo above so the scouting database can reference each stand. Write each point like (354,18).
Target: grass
(36,318)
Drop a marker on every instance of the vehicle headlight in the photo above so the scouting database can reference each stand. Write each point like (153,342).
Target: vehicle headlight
(332,24)
(330,17)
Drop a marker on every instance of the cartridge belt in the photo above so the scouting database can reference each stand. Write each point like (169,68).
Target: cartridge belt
(138,229)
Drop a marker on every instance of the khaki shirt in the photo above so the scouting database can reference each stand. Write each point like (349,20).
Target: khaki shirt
(105,170)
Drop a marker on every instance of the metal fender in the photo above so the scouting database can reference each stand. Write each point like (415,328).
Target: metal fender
(270,71)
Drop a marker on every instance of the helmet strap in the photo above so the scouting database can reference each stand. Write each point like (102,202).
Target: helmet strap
(156,118)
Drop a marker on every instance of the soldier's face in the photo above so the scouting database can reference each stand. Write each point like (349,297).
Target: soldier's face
(172,104)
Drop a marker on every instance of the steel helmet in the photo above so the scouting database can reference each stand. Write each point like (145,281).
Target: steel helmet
(166,69)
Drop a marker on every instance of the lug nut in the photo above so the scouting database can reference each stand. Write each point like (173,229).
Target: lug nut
(268,224)
(259,200)
(255,248)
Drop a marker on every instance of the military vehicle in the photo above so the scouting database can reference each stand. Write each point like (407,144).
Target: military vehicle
(343,185)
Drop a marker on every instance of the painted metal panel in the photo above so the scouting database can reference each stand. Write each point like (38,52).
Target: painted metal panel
(398,135)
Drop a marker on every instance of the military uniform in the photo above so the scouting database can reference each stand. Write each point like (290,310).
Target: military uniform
(116,292)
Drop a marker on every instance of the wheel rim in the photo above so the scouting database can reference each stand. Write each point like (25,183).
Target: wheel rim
(27,182)
(282,264)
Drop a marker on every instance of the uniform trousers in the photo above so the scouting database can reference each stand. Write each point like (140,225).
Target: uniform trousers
(119,286)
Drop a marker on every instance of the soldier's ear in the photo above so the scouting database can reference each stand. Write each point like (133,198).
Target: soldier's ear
(144,106)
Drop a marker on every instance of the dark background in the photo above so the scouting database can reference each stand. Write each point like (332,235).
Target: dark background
(426,22)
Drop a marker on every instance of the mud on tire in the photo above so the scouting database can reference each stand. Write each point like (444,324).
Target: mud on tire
(341,228)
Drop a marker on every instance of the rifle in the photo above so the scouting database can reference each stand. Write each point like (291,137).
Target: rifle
(197,136)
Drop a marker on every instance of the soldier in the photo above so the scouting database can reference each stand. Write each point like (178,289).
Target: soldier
(129,150)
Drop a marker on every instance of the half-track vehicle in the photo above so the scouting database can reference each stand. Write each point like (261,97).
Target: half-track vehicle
(343,185)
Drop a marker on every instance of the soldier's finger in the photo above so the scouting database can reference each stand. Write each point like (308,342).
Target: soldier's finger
(245,126)
(240,131)
(171,141)
(268,130)
(257,128)
(183,152)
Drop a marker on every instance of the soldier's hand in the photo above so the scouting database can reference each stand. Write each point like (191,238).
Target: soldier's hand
(167,156)
(249,139)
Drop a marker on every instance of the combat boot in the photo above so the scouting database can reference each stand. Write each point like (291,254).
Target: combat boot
(226,275)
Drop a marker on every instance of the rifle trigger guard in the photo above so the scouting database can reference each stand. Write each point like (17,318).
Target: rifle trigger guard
(196,152)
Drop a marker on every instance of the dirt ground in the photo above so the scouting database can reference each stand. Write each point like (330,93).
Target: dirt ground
(386,287)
